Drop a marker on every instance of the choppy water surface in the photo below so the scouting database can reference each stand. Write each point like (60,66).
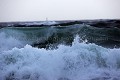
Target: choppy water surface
(75,52)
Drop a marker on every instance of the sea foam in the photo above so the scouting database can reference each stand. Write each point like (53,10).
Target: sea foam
(81,61)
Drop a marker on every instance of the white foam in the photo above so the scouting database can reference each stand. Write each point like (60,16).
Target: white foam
(80,61)
(49,22)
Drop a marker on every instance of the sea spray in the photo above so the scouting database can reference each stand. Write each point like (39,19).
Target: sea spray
(7,43)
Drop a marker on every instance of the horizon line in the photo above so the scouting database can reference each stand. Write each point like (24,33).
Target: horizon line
(56,20)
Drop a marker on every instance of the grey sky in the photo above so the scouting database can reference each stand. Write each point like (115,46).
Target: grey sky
(35,10)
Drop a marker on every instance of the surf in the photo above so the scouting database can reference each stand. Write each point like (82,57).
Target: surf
(79,61)
(72,52)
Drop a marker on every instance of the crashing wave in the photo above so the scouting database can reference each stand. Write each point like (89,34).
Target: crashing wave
(80,61)
(24,56)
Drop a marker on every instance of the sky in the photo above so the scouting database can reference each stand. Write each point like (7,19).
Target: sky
(39,10)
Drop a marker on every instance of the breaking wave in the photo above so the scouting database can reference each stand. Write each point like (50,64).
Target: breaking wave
(79,57)
(80,61)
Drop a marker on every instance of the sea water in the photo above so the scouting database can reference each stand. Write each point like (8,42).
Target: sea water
(79,61)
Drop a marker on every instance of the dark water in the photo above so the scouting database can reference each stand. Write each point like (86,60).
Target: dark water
(43,37)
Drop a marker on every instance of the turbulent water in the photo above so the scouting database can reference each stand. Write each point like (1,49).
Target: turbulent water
(59,53)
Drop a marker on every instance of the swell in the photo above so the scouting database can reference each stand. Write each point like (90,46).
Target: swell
(46,37)
(100,36)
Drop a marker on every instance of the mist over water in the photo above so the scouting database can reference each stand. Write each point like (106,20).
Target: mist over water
(80,60)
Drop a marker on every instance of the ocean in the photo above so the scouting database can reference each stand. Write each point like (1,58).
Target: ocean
(57,51)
